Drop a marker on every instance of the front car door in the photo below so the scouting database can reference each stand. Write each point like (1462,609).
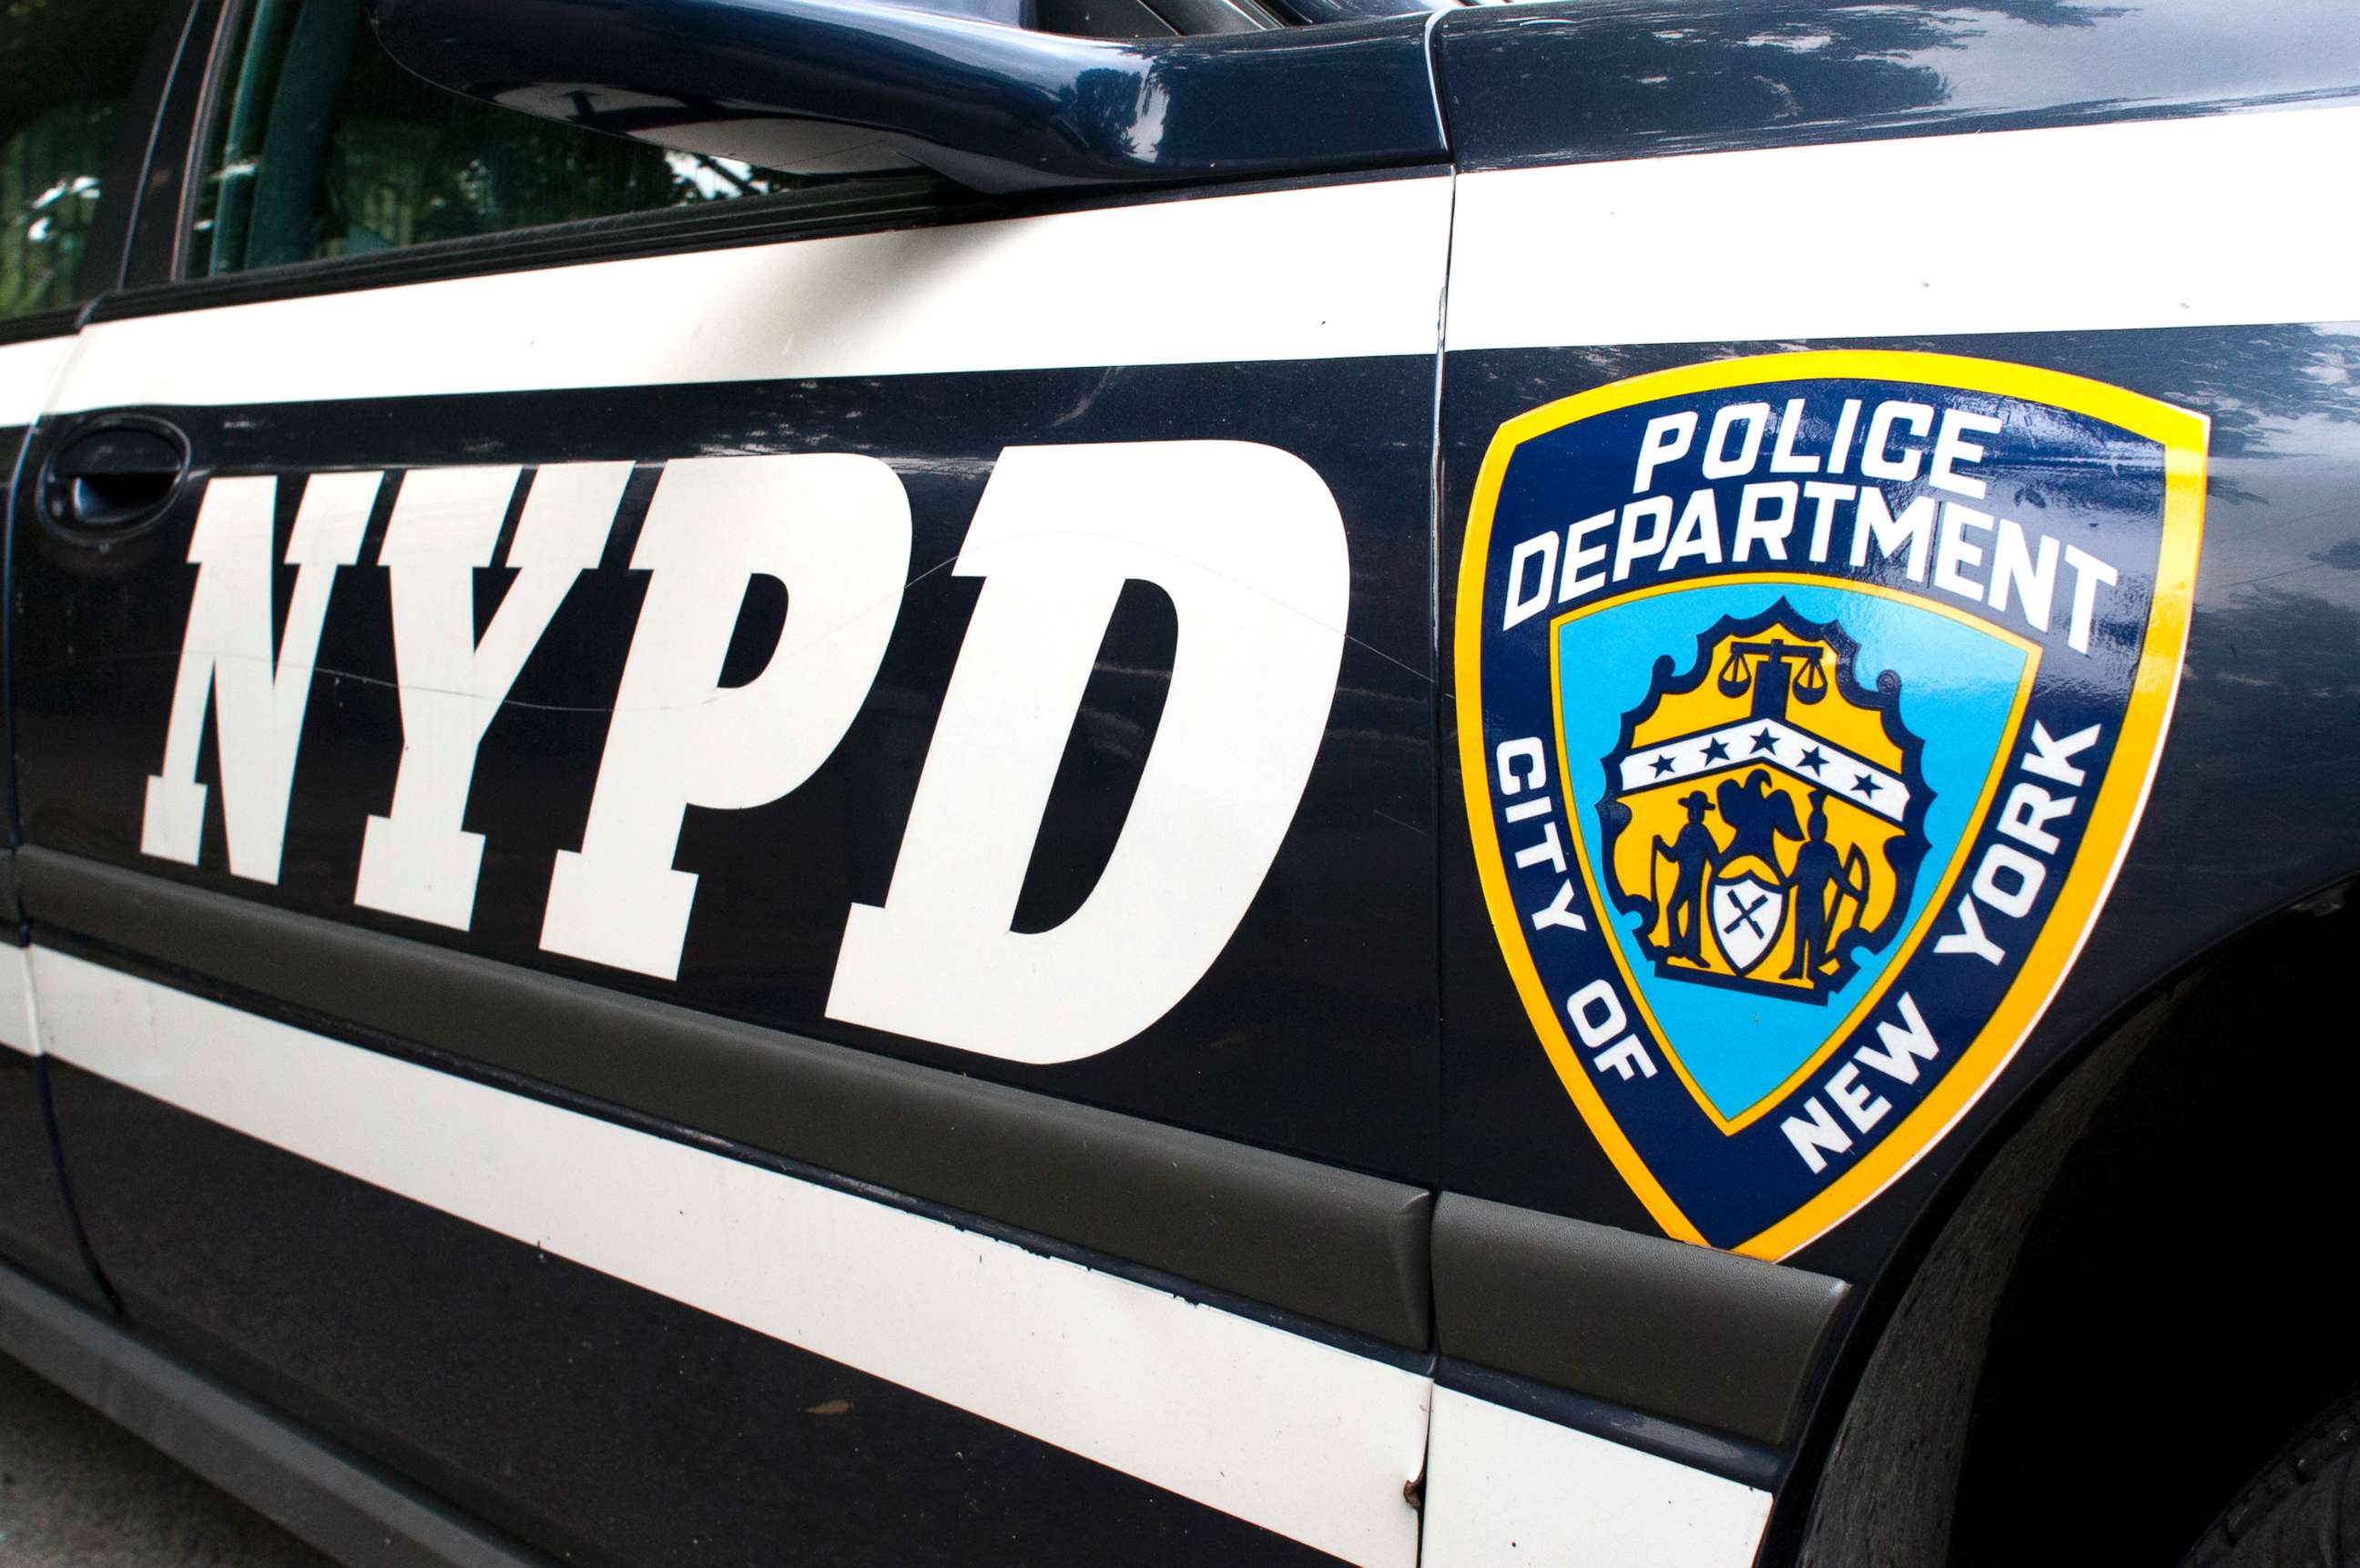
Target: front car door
(757,873)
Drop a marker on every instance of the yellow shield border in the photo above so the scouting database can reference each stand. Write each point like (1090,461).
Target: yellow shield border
(2122,795)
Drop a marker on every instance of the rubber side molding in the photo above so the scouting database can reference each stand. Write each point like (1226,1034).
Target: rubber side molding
(1676,1331)
(314,1490)
(1335,1245)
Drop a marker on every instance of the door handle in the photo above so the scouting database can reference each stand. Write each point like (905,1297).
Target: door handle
(114,475)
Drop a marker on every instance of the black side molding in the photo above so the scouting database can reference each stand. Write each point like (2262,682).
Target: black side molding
(1344,1248)
(313,1489)
(1677,1331)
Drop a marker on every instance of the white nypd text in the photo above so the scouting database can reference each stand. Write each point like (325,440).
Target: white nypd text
(1245,541)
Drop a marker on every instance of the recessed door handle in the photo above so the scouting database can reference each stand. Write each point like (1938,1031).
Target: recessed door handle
(114,475)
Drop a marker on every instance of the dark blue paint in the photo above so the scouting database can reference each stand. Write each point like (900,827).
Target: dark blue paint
(1531,84)
(601,1422)
(995,107)
(2100,488)
(2249,812)
(1315,1031)
(36,1229)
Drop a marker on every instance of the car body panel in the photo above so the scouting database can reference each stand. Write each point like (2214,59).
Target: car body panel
(773,354)
(2192,322)
(1319,1020)
(37,1226)
(1349,923)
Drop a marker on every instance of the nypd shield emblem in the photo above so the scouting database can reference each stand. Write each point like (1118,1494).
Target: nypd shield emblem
(1806,705)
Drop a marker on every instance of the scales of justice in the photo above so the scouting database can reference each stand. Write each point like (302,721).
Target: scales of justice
(1769,872)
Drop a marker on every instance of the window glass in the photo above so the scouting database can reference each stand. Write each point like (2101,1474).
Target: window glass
(323,147)
(67,69)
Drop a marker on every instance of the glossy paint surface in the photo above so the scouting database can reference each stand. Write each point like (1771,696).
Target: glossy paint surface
(2245,816)
(598,1421)
(35,1224)
(1202,1403)
(1311,1032)
(731,365)
(1653,282)
(502,1376)
(1532,84)
(1499,1480)
(773,82)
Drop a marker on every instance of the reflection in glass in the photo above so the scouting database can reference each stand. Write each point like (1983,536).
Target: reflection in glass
(323,147)
(69,70)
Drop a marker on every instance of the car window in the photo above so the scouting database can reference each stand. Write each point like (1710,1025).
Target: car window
(69,70)
(321,145)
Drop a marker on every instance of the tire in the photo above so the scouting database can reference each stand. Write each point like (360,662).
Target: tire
(2303,1510)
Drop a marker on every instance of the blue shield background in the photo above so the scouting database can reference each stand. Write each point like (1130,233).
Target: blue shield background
(1959,686)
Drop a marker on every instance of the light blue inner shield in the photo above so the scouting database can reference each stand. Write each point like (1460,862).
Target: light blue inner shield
(1958,686)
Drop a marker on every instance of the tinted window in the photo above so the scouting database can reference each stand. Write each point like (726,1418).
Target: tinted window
(67,69)
(323,147)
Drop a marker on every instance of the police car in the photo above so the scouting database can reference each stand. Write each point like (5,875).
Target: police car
(1214,780)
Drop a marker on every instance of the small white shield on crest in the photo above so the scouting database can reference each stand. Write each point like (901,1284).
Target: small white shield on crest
(1747,915)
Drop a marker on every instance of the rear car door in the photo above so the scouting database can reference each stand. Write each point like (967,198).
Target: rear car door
(726,876)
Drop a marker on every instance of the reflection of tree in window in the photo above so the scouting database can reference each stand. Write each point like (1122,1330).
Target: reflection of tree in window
(69,71)
(325,148)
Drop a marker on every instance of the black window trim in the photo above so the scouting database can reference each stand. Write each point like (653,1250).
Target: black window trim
(34,325)
(160,239)
(125,174)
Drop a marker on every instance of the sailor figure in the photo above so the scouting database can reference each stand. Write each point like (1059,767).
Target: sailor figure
(1820,871)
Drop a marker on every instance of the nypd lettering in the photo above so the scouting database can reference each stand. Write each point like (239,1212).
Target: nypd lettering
(418,860)
(1248,543)
(1809,704)
(227,660)
(1244,538)
(834,528)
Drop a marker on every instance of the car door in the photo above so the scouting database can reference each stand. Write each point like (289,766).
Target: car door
(73,132)
(754,876)
(1876,566)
